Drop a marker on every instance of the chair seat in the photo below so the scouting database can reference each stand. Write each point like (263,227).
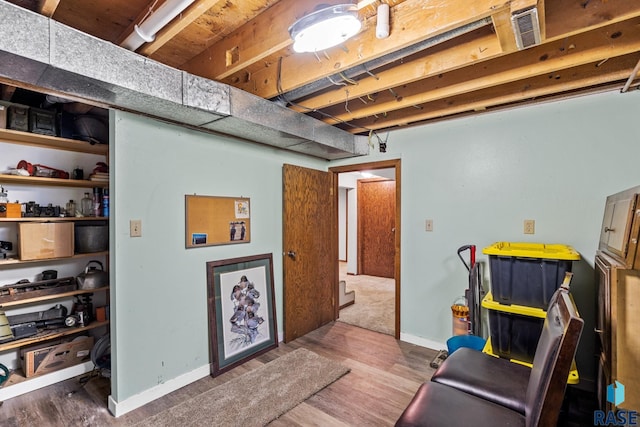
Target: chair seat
(497,380)
(439,405)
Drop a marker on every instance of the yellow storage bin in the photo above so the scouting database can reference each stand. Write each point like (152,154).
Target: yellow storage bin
(514,330)
(573,378)
(528,274)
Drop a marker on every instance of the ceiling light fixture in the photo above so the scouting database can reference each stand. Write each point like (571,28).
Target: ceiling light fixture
(325,28)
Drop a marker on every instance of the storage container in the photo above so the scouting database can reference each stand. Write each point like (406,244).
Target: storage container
(514,330)
(39,359)
(528,273)
(44,240)
(91,236)
(42,121)
(18,117)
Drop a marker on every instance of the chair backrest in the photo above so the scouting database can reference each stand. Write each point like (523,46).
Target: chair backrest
(553,359)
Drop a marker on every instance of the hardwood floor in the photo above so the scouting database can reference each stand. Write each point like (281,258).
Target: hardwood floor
(385,373)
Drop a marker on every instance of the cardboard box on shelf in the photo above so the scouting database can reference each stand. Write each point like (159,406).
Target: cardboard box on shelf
(40,360)
(45,240)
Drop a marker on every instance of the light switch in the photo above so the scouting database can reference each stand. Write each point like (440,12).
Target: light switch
(428,225)
(135,228)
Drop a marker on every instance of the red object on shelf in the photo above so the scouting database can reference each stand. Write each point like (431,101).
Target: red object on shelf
(42,170)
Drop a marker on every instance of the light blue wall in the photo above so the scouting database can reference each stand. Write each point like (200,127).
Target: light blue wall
(478,178)
(160,289)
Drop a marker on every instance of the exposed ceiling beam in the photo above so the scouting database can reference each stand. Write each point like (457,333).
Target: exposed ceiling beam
(47,7)
(438,60)
(567,17)
(152,5)
(407,23)
(607,42)
(565,81)
(504,30)
(186,18)
(259,38)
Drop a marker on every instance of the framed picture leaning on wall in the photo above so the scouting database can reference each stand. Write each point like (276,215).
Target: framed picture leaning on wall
(242,312)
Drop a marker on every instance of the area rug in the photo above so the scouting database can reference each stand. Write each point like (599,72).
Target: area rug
(257,397)
(374,306)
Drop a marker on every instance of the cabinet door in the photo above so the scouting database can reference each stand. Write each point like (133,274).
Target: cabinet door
(616,224)
(603,315)
(603,381)
(625,343)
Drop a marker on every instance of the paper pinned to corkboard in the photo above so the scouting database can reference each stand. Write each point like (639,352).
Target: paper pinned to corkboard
(215,220)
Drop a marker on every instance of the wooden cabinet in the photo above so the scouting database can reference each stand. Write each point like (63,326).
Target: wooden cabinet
(618,278)
(17,384)
(620,226)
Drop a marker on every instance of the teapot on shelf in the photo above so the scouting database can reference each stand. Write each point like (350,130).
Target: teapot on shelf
(93,277)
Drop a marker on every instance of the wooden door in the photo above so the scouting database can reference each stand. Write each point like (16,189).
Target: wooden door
(376,227)
(310,250)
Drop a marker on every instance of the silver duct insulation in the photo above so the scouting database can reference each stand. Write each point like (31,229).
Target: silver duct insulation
(38,51)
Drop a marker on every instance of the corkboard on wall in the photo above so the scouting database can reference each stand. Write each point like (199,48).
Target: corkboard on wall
(213,220)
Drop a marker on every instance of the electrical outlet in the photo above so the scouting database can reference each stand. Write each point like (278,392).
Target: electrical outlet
(529,226)
(135,228)
(428,225)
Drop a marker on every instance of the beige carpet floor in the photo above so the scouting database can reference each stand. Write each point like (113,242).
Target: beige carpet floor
(374,306)
(256,397)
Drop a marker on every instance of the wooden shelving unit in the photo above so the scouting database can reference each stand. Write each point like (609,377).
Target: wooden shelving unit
(17,261)
(56,219)
(46,141)
(18,384)
(52,182)
(52,297)
(50,335)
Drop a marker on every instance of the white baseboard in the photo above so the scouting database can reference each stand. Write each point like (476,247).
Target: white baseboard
(35,383)
(422,342)
(141,399)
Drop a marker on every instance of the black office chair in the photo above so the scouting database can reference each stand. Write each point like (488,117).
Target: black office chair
(473,388)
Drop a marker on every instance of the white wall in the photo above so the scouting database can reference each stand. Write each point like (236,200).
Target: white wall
(350,182)
(159,288)
(342,224)
(478,178)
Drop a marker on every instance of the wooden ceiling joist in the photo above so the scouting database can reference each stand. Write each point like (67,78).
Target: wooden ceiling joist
(585,48)
(451,57)
(408,28)
(565,81)
(186,18)
(48,7)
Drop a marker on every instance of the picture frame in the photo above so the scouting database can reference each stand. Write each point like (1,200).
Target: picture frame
(242,312)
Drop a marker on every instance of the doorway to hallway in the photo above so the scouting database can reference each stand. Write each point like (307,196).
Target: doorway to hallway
(368,204)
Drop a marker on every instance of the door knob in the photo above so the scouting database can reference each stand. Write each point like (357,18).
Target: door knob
(291,254)
(607,229)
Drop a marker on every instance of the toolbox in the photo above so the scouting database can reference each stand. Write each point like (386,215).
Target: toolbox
(18,117)
(42,121)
